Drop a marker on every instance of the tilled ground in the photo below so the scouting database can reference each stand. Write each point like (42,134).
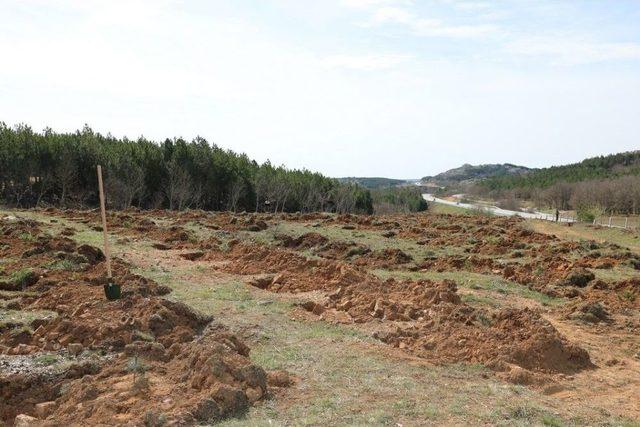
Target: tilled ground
(332,263)
(142,359)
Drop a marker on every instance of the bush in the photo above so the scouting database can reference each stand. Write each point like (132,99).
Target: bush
(398,199)
(588,213)
(511,204)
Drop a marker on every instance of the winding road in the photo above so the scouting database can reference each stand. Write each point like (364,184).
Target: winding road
(495,210)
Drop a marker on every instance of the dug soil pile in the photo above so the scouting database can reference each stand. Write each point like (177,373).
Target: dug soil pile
(425,318)
(140,360)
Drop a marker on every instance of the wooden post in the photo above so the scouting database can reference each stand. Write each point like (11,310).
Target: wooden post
(610,221)
(626,222)
(104,223)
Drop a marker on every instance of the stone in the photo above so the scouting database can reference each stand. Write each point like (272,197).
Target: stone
(279,379)
(254,394)
(24,420)
(75,349)
(44,409)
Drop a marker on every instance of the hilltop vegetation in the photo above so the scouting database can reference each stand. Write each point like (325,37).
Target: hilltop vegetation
(596,185)
(611,166)
(374,182)
(52,168)
(467,173)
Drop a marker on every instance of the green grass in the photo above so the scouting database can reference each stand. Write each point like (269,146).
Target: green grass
(579,232)
(46,359)
(20,277)
(615,274)
(64,265)
(440,208)
(16,294)
(23,317)
(474,299)
(27,236)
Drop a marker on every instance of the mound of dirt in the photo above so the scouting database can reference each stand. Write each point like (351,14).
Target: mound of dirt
(589,312)
(151,361)
(203,382)
(429,318)
(508,337)
(293,272)
(578,277)
(387,258)
(392,300)
(621,295)
(305,241)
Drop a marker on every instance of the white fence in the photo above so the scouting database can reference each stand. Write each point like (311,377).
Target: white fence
(624,222)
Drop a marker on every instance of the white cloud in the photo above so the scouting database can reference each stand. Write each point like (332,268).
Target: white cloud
(426,27)
(565,51)
(368,4)
(469,5)
(364,62)
(334,101)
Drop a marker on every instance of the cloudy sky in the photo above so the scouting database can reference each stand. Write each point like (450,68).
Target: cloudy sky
(397,88)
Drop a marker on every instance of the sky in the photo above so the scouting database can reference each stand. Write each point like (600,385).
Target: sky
(395,88)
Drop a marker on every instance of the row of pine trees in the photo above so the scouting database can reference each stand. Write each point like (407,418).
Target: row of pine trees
(59,169)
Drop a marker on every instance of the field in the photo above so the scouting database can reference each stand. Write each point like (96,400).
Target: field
(317,319)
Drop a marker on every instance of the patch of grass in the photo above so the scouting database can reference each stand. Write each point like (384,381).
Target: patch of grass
(154,419)
(25,317)
(579,232)
(91,237)
(626,422)
(16,294)
(615,274)
(628,295)
(441,208)
(21,277)
(551,420)
(27,236)
(24,329)
(474,299)
(47,359)
(64,265)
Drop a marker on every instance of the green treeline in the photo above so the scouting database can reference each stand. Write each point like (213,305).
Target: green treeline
(398,199)
(59,169)
(374,182)
(611,166)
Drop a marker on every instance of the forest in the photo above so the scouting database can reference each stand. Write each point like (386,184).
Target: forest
(601,167)
(49,168)
(600,184)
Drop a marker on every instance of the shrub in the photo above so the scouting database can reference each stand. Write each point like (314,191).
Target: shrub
(588,213)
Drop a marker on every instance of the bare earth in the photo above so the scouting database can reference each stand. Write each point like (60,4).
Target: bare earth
(317,319)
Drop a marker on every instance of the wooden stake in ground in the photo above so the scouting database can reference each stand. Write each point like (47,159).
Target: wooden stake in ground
(104,224)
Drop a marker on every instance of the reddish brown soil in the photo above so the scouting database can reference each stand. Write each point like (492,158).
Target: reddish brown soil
(438,325)
(190,369)
(424,318)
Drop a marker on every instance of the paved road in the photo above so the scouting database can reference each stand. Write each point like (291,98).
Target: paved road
(495,210)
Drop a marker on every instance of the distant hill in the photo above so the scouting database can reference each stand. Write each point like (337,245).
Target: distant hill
(601,167)
(469,173)
(375,182)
